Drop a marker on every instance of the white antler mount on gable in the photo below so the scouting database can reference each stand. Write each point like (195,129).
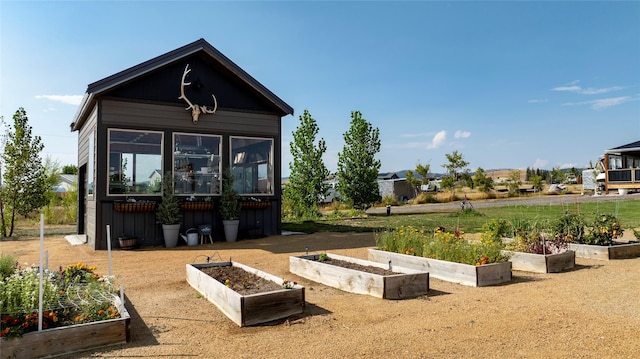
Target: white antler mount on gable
(196,109)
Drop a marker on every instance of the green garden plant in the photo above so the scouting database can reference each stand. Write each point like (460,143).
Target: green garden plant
(439,244)
(73,295)
(603,230)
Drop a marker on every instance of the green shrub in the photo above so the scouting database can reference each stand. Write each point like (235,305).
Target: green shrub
(603,230)
(439,244)
(8,265)
(569,226)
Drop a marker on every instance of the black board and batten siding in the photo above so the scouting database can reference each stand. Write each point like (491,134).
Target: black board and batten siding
(145,97)
(169,119)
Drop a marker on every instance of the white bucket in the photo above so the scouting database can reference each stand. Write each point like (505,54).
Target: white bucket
(623,191)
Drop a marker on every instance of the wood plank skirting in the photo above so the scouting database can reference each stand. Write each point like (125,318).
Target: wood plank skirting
(540,263)
(618,251)
(475,276)
(69,339)
(407,283)
(245,310)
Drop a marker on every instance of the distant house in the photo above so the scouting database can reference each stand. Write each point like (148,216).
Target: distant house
(622,167)
(155,177)
(397,188)
(387,176)
(66,183)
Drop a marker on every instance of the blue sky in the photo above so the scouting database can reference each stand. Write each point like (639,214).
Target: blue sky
(507,84)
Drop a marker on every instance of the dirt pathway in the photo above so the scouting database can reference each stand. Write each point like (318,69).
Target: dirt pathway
(590,312)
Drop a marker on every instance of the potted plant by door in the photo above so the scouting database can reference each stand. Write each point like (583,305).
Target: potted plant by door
(229,207)
(168,213)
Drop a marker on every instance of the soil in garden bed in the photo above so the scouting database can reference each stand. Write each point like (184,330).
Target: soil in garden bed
(354,266)
(240,280)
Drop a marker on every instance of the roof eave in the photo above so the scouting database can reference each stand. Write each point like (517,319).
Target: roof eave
(96,88)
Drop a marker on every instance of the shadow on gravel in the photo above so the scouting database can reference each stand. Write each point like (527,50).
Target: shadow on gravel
(522,277)
(581,266)
(436,293)
(310,310)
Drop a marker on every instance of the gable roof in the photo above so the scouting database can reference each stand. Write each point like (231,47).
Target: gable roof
(633,146)
(108,83)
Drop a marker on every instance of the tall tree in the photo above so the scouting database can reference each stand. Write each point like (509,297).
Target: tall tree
(25,180)
(69,170)
(357,167)
(307,181)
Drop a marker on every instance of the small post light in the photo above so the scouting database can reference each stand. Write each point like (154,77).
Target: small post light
(306,251)
(388,210)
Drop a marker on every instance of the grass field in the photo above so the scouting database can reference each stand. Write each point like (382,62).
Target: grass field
(628,212)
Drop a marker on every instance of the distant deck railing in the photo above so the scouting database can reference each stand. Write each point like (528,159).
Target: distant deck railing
(625,175)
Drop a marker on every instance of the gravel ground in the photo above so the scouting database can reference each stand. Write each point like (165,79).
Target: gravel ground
(592,311)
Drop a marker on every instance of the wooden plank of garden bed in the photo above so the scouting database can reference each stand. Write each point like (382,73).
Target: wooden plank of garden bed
(68,339)
(227,300)
(540,263)
(248,309)
(476,276)
(260,308)
(411,282)
(619,251)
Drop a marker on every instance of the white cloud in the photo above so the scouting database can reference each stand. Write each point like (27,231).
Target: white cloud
(540,163)
(567,88)
(438,140)
(603,103)
(538,101)
(66,99)
(462,134)
(588,90)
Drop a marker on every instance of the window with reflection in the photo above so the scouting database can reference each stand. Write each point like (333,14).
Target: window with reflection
(196,159)
(135,162)
(252,165)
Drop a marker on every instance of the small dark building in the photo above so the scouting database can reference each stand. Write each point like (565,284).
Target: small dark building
(622,168)
(132,127)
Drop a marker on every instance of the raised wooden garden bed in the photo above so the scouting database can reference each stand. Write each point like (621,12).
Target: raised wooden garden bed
(617,251)
(475,276)
(250,309)
(541,263)
(405,283)
(69,339)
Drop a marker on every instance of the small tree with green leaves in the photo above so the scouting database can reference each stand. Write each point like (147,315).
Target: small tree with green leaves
(455,163)
(558,175)
(307,181)
(357,166)
(229,198)
(168,211)
(24,184)
(412,181)
(481,181)
(538,183)
(513,183)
